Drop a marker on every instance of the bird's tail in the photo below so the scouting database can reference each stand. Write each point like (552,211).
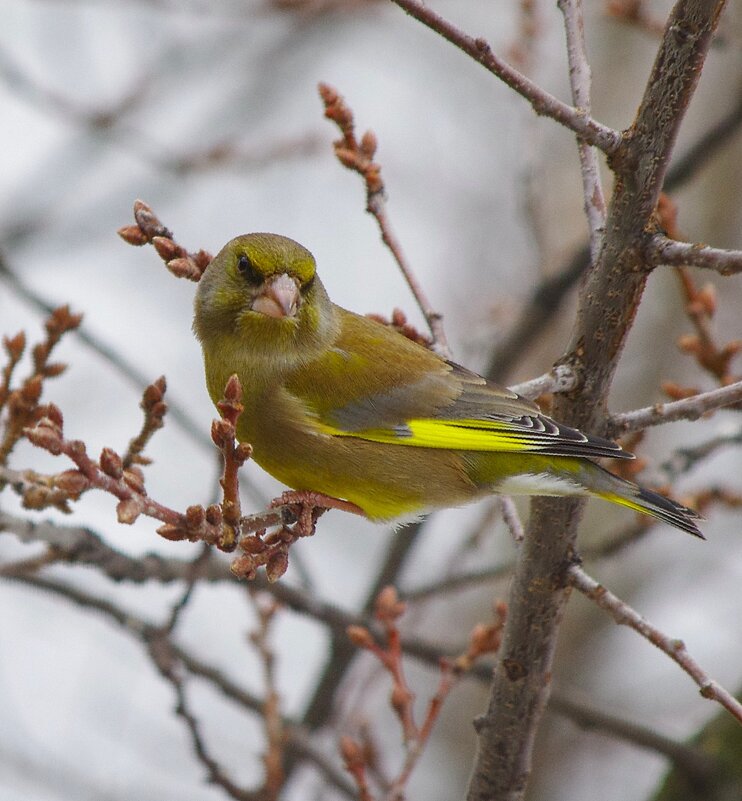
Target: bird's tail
(602,484)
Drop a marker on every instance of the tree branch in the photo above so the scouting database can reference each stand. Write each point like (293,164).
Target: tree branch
(692,761)
(561,378)
(358,156)
(580,79)
(626,616)
(685,409)
(547,297)
(145,631)
(661,250)
(608,303)
(543,103)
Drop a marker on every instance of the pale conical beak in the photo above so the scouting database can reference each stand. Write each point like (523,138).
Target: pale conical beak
(279,298)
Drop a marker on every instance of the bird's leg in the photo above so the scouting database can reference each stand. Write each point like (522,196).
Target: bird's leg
(312,505)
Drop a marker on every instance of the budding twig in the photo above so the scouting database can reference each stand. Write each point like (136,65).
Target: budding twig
(154,408)
(484,639)
(149,230)
(22,403)
(358,156)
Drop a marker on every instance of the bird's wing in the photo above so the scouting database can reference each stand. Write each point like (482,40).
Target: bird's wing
(406,395)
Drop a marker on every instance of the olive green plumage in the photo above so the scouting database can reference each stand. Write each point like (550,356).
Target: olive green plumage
(339,404)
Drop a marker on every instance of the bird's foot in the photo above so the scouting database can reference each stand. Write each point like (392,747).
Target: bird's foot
(311,505)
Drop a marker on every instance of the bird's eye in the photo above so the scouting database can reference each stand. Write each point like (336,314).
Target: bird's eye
(247,269)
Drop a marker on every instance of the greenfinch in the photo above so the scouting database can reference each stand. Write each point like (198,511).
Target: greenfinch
(339,404)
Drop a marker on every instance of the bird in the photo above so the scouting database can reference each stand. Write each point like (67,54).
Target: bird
(340,404)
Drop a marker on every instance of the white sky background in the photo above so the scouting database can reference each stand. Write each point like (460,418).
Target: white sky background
(84,715)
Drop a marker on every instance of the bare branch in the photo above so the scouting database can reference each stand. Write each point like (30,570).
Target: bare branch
(273,723)
(602,137)
(512,519)
(561,378)
(624,615)
(686,409)
(580,78)
(32,564)
(298,739)
(711,356)
(608,302)
(661,250)
(219,524)
(547,297)
(162,655)
(692,761)
(484,639)
(80,545)
(22,403)
(341,649)
(683,459)
(460,581)
(154,408)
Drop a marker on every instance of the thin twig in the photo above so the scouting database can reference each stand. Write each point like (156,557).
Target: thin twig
(512,519)
(195,570)
(22,402)
(144,631)
(685,409)
(661,250)
(266,609)
(162,655)
(624,615)
(712,356)
(14,347)
(133,375)
(692,761)
(547,297)
(457,582)
(81,545)
(32,564)
(593,132)
(341,649)
(580,79)
(561,378)
(484,639)
(219,524)
(148,229)
(358,156)
(154,408)
(683,459)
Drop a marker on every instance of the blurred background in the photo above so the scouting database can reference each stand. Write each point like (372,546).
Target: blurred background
(209,112)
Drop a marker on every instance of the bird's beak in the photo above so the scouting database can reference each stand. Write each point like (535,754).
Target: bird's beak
(279,297)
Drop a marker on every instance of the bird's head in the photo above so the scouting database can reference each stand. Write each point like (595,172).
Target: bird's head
(263,289)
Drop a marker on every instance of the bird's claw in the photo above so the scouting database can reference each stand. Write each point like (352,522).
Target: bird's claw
(311,506)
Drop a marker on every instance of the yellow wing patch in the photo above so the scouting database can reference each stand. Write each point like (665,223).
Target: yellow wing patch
(468,435)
